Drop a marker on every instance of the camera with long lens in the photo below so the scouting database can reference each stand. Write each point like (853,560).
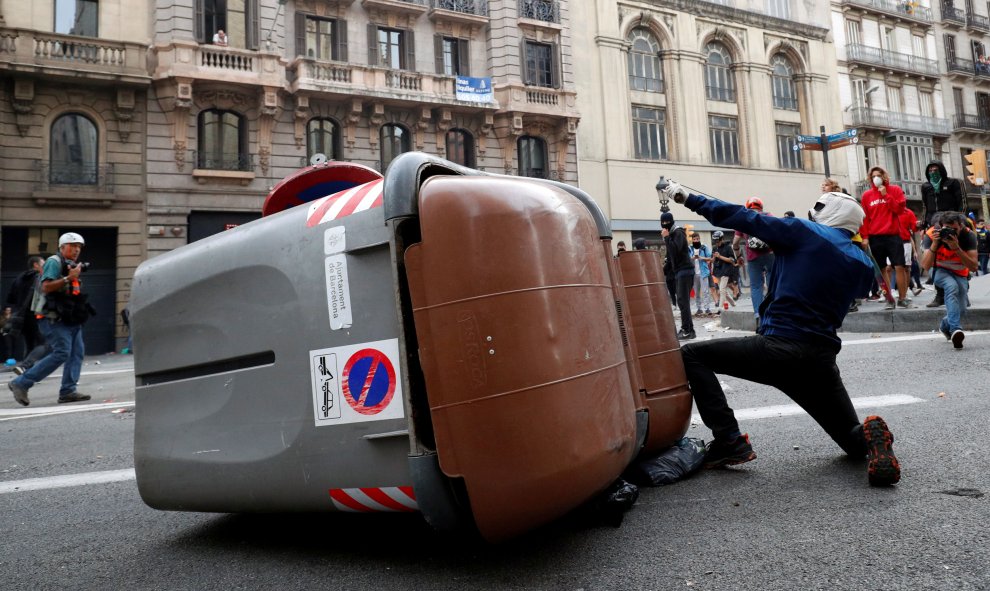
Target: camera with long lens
(73,265)
(946,232)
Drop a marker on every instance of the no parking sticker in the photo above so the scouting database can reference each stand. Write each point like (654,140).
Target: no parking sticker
(356,383)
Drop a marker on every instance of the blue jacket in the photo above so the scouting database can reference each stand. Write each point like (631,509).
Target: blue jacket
(816,275)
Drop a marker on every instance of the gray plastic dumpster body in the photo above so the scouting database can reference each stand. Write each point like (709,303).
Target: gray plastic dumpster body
(270,380)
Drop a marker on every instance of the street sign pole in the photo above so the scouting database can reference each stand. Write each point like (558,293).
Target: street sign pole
(825,150)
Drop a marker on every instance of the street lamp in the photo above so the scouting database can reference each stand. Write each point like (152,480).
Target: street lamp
(662,184)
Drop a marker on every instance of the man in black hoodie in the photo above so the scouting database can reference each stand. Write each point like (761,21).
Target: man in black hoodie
(682,267)
(940,193)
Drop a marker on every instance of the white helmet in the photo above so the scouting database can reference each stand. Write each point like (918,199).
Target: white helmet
(837,210)
(70,238)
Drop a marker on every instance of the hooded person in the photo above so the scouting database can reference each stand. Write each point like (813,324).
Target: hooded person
(940,193)
(679,265)
(817,274)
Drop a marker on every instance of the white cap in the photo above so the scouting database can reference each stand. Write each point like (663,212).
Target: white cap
(70,238)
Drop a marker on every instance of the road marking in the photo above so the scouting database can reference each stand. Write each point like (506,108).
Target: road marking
(914,337)
(13,414)
(786,410)
(66,481)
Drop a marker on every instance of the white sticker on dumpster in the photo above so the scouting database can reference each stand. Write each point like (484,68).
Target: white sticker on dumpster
(333,240)
(356,383)
(338,292)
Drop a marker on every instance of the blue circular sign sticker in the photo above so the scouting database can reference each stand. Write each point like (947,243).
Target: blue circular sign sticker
(368,381)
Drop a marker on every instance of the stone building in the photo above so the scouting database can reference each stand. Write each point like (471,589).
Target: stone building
(711,94)
(488,84)
(72,134)
(891,85)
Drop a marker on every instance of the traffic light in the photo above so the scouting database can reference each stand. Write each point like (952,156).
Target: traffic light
(976,167)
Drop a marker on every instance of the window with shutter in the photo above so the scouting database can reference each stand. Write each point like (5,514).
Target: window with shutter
(374,53)
(301,34)
(198,21)
(253,33)
(341,37)
(407,40)
(463,57)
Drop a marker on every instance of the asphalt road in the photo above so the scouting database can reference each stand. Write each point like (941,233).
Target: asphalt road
(799,517)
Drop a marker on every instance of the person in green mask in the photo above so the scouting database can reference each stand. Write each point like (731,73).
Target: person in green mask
(940,193)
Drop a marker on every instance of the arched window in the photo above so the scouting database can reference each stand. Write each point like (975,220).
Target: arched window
(782,83)
(323,137)
(644,62)
(73,152)
(532,157)
(460,147)
(394,141)
(222,141)
(719,82)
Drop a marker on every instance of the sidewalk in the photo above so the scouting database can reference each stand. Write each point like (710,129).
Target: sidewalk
(872,317)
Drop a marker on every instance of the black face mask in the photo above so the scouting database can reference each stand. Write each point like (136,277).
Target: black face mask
(696,244)
(666,226)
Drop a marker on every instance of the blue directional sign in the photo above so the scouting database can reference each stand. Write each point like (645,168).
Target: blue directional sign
(843,135)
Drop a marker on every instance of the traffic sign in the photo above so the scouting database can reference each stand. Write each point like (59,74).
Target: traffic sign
(842,135)
(368,381)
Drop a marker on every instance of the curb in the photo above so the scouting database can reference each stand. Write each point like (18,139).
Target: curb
(910,320)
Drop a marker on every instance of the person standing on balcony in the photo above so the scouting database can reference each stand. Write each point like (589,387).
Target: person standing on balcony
(940,193)
(884,203)
(220,38)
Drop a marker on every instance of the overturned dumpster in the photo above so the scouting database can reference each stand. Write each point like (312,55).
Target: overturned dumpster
(438,340)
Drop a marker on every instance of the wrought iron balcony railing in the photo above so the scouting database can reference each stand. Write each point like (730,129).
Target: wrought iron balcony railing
(538,173)
(967,121)
(74,176)
(869,117)
(720,93)
(977,21)
(787,103)
(476,7)
(958,64)
(951,14)
(542,10)
(891,59)
(904,8)
(232,162)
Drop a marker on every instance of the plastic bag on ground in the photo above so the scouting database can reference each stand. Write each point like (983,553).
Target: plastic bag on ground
(610,507)
(673,464)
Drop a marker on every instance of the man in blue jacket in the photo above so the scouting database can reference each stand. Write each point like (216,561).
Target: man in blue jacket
(817,273)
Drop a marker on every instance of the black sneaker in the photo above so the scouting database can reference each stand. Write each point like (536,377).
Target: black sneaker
(686,336)
(945,332)
(729,453)
(957,338)
(74,397)
(882,468)
(20,394)
(935,303)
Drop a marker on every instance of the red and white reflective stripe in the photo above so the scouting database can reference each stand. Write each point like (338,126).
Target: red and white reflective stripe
(338,205)
(389,499)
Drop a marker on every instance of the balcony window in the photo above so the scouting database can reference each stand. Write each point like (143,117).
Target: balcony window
(77,17)
(394,141)
(724,139)
(323,137)
(532,157)
(540,64)
(649,133)
(238,19)
(787,156)
(720,85)
(325,39)
(779,8)
(222,141)
(645,72)
(782,82)
(73,151)
(452,55)
(460,147)
(391,48)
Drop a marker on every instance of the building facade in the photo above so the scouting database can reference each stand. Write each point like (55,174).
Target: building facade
(72,136)
(361,81)
(711,94)
(891,87)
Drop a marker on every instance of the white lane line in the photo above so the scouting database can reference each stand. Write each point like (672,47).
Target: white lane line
(12,414)
(914,337)
(787,410)
(66,481)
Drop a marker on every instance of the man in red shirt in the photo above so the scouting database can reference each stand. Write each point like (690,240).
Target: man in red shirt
(881,232)
(909,224)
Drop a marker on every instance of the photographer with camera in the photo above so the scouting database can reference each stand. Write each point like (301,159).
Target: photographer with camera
(950,247)
(61,308)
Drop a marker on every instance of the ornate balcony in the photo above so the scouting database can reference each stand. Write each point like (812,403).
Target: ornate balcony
(971,123)
(68,56)
(952,16)
(73,184)
(393,86)
(547,11)
(553,102)
(182,59)
(909,10)
(957,66)
(469,12)
(893,120)
(899,62)
(977,22)
(409,8)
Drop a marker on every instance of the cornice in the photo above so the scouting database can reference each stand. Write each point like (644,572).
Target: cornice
(743,17)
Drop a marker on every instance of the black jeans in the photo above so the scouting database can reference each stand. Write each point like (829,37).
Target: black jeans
(685,283)
(807,373)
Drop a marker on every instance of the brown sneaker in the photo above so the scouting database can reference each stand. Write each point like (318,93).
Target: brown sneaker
(882,468)
(20,394)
